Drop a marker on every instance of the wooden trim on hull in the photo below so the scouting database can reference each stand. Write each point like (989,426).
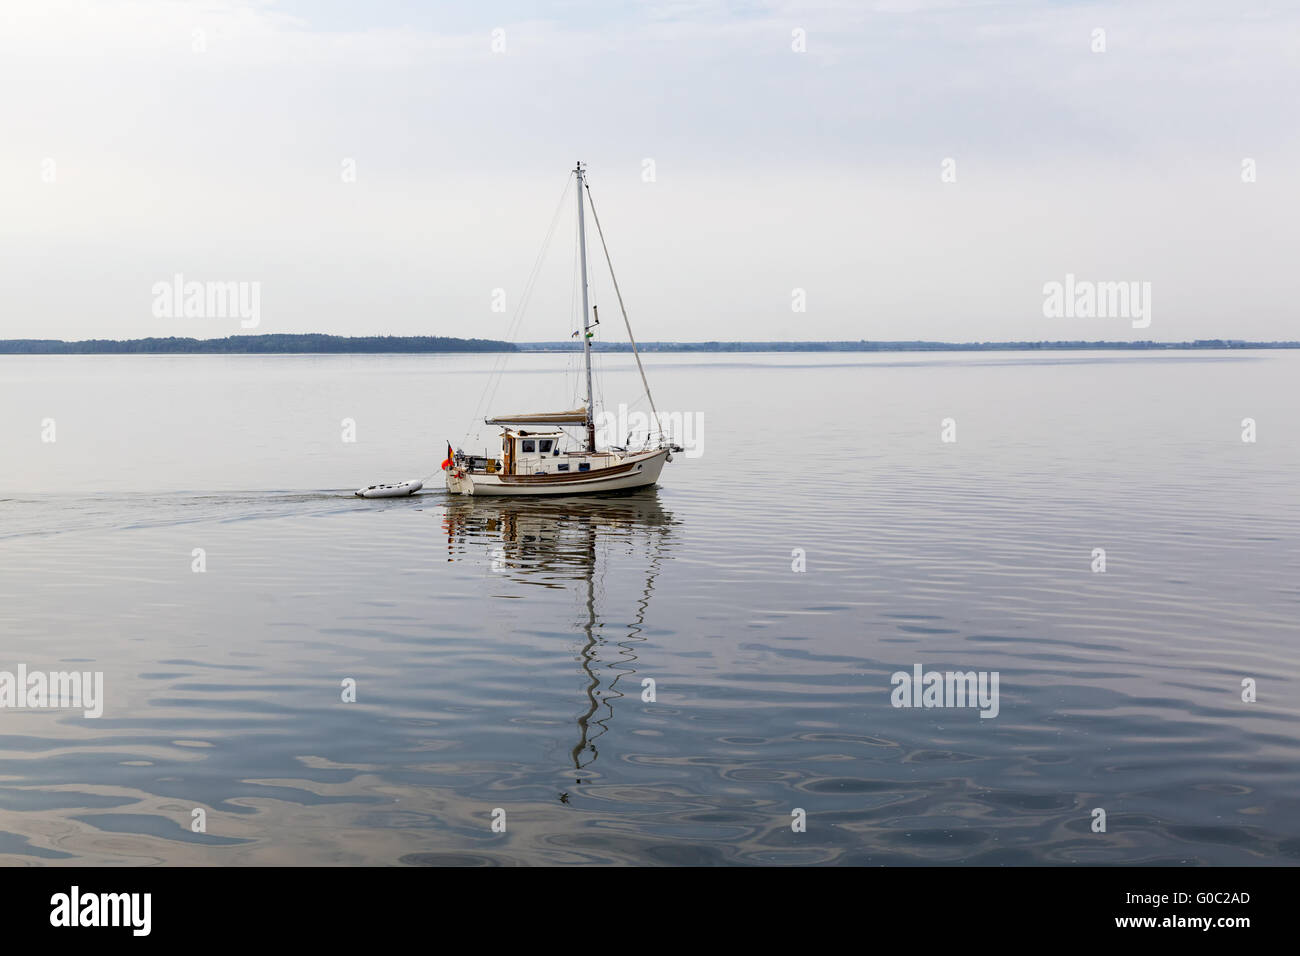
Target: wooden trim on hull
(573,477)
(613,483)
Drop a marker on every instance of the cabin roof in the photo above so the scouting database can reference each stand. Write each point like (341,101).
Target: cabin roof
(534,433)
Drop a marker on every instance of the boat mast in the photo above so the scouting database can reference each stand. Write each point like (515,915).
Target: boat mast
(586,314)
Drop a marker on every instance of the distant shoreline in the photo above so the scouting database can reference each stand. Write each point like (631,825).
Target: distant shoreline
(273,344)
(910,346)
(314,344)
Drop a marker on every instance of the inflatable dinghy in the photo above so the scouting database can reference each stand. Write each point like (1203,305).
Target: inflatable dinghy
(390,491)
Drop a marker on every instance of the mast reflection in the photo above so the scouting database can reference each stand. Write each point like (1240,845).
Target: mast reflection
(553,543)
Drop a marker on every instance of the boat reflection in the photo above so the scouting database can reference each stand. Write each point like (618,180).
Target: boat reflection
(557,542)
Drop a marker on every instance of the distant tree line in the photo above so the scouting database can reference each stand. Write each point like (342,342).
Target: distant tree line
(275,344)
(916,346)
(278,344)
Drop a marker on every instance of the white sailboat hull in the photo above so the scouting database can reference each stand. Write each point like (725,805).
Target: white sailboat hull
(629,471)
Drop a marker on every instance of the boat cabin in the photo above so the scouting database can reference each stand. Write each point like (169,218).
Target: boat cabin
(530,452)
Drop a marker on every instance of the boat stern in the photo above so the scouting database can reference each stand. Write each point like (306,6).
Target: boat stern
(459,482)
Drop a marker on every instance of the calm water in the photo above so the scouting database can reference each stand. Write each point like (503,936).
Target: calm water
(499,649)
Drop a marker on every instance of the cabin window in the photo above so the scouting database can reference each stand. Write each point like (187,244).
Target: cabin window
(529,445)
(562,466)
(544,445)
(584,466)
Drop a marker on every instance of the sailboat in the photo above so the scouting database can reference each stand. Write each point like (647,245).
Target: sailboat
(538,457)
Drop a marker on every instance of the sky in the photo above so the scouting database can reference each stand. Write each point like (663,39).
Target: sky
(826,170)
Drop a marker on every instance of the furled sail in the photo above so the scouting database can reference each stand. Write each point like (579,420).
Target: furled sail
(577,416)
